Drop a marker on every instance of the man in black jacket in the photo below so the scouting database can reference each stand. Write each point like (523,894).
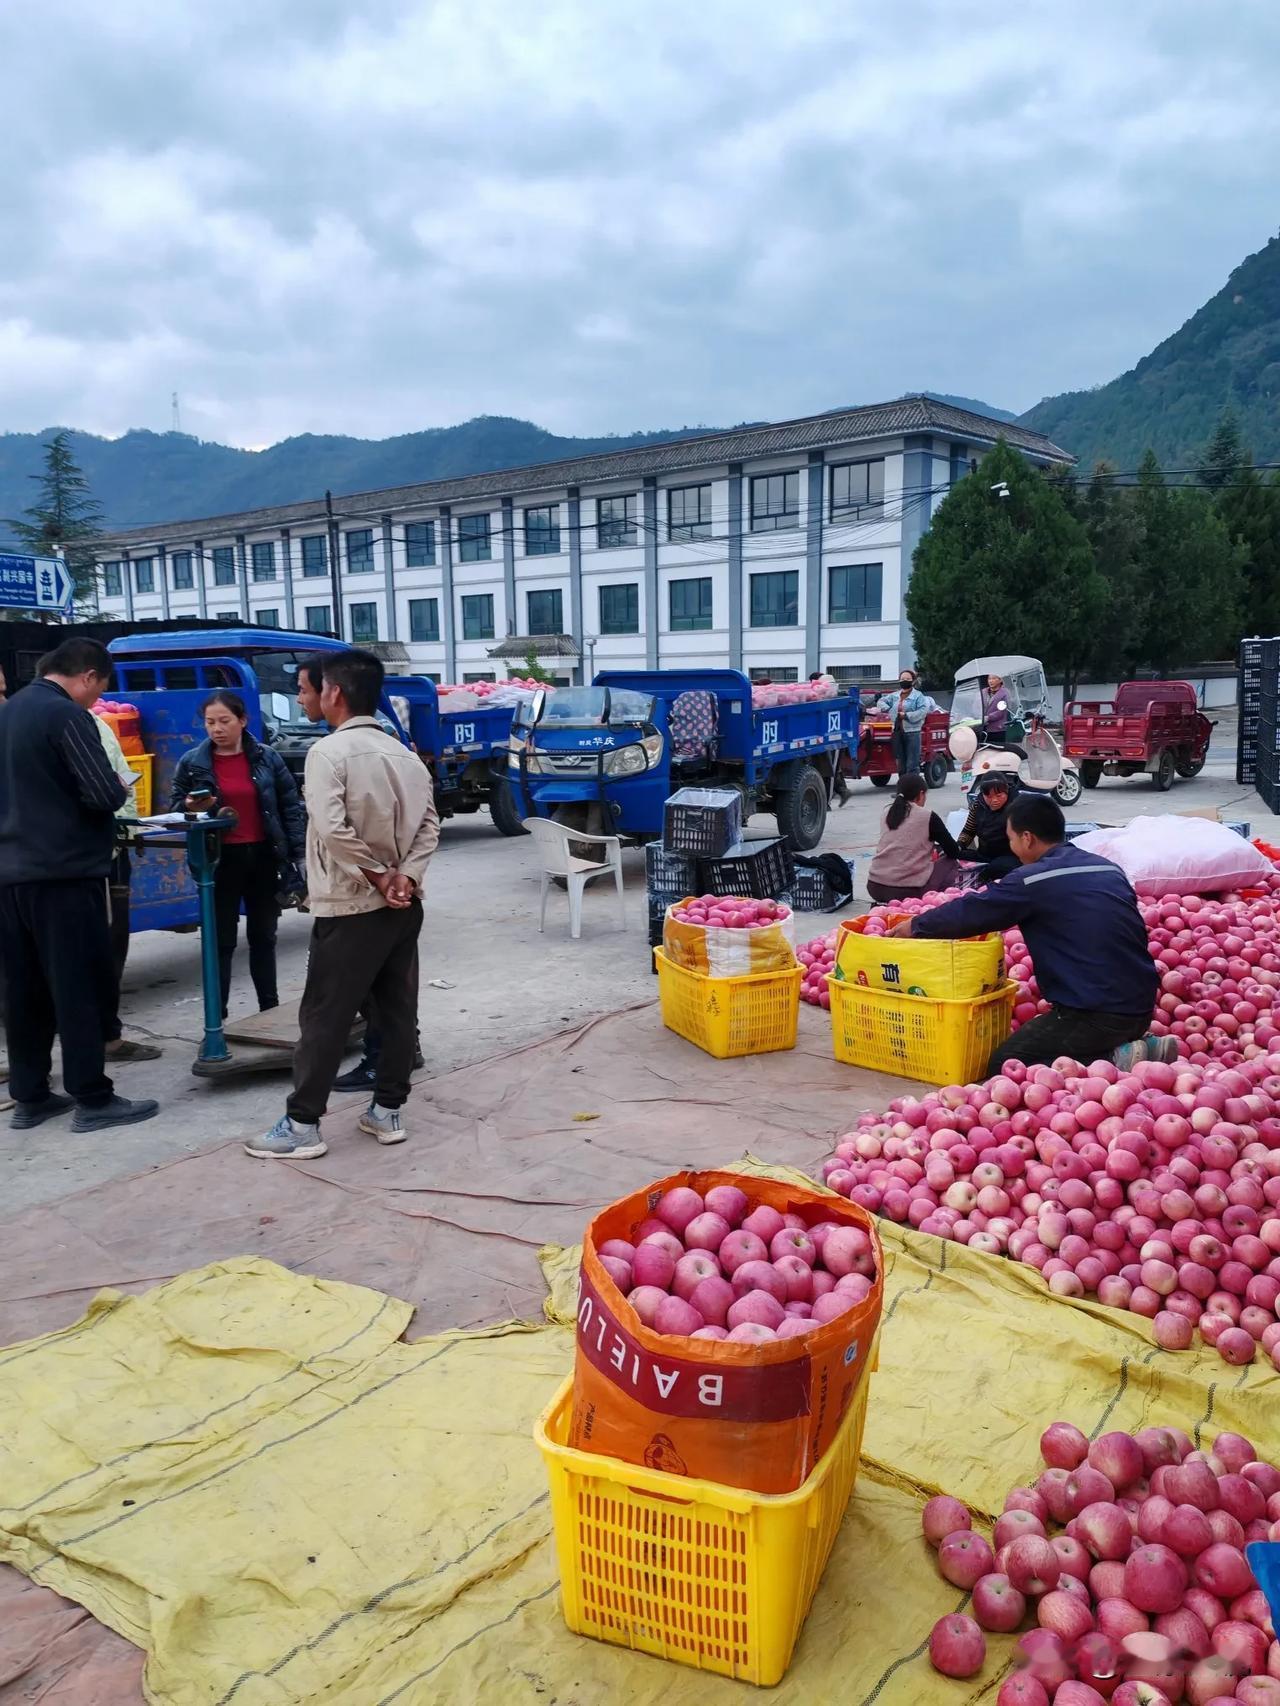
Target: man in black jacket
(58,799)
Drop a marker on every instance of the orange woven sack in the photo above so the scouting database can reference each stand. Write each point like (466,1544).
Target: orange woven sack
(746,1415)
(740,952)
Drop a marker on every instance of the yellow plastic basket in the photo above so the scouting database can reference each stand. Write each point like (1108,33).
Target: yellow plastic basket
(141,763)
(730,1016)
(946,971)
(911,1036)
(709,1576)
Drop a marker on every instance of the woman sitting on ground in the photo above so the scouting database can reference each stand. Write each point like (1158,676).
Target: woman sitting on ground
(986,827)
(904,866)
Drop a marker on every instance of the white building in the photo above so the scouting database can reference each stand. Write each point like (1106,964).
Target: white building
(776,549)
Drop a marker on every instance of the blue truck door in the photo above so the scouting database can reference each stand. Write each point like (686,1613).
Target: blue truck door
(168,695)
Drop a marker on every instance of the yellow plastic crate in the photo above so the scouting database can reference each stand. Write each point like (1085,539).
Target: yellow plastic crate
(141,763)
(911,1036)
(944,970)
(730,1016)
(709,1576)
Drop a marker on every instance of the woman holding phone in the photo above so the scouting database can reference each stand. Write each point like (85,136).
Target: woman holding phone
(231,769)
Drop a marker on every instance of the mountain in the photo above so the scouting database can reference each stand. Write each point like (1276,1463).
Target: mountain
(975,404)
(1226,356)
(147,476)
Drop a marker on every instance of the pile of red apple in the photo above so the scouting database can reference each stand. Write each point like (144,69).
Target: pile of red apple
(731,912)
(1145,1598)
(715,1267)
(1218,958)
(1156,1190)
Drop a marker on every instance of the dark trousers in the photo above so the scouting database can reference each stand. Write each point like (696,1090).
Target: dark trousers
(998,867)
(1072,1032)
(118,885)
(369,955)
(56,948)
(906,750)
(247,875)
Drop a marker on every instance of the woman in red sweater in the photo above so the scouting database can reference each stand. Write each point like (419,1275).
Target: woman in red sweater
(259,855)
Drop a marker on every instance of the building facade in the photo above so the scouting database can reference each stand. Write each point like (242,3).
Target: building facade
(777,549)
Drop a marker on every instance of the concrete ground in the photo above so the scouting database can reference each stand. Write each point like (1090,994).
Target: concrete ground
(504,984)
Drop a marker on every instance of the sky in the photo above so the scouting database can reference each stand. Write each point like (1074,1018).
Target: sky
(375,216)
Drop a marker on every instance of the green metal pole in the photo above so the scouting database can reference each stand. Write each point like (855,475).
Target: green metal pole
(203,850)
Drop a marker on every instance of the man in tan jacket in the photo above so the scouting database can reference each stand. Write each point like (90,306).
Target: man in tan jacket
(371,828)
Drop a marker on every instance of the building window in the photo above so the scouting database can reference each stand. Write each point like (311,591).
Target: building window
(775,502)
(546,612)
(479,675)
(314,555)
(477,615)
(268,618)
(419,544)
(183,574)
(364,621)
(616,521)
(473,540)
(144,574)
(781,673)
(857,489)
(424,619)
(620,609)
(319,619)
(224,566)
(262,560)
(854,594)
(112,580)
(856,672)
(690,605)
(360,551)
(229,618)
(542,531)
(775,599)
(689,512)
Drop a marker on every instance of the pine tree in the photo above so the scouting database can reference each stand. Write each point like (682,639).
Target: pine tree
(66,516)
(1224,455)
(1250,511)
(1004,574)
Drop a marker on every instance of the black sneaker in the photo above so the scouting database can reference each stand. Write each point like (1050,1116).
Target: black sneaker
(28,1115)
(361,1076)
(118,1111)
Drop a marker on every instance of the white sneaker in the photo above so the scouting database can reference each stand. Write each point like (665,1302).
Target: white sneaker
(382,1123)
(287,1142)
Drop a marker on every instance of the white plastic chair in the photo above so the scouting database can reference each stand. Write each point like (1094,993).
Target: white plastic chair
(552,841)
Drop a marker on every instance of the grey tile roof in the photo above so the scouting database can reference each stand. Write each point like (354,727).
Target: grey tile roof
(916,414)
(541,645)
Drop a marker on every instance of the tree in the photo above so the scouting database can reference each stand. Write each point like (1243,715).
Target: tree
(1190,574)
(1111,520)
(1004,574)
(533,669)
(65,517)
(1224,455)
(1250,511)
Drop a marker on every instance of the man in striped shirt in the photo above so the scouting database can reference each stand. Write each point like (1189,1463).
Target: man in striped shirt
(58,799)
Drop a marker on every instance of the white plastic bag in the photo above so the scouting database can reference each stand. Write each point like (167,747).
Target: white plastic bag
(1180,855)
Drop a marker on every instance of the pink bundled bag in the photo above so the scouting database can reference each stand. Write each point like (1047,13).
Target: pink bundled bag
(1180,855)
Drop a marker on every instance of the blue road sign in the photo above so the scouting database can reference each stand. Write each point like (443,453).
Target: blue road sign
(35,583)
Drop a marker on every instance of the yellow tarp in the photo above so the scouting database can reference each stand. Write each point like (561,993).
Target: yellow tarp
(244,1472)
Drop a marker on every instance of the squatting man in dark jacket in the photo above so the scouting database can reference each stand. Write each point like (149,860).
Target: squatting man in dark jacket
(58,800)
(1079,918)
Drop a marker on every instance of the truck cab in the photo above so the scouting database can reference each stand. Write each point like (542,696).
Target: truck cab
(604,758)
(168,676)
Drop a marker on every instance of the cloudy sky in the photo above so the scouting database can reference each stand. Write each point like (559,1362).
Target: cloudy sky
(372,216)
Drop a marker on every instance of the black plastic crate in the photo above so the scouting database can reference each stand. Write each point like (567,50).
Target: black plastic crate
(706,822)
(669,874)
(759,870)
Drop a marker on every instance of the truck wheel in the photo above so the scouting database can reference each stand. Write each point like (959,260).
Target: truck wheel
(1188,766)
(935,772)
(880,781)
(1091,773)
(503,811)
(1069,789)
(802,810)
(1165,771)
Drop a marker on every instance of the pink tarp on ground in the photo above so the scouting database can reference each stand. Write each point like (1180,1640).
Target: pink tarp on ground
(500,1162)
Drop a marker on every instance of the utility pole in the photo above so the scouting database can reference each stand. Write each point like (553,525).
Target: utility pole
(177,415)
(335,569)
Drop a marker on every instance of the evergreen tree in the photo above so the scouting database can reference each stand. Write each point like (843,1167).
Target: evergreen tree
(1111,520)
(65,516)
(1224,455)
(1190,574)
(1004,574)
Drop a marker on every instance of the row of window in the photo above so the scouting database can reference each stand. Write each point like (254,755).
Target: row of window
(855,489)
(853,595)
